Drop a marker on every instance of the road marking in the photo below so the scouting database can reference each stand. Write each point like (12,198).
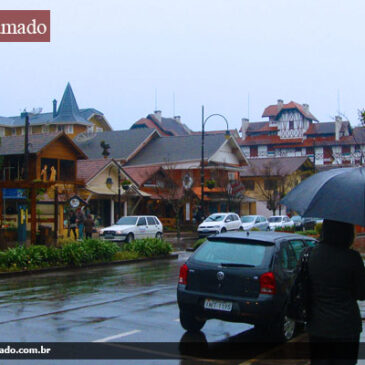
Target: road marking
(120,335)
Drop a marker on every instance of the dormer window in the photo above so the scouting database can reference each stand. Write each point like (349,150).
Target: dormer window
(291,124)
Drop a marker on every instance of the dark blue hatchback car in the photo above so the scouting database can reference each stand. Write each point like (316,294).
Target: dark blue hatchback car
(241,277)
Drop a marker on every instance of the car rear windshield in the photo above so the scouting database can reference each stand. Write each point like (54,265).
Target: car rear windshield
(215,218)
(247,219)
(127,221)
(232,253)
(274,219)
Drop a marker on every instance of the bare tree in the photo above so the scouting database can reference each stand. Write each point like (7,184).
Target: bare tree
(276,181)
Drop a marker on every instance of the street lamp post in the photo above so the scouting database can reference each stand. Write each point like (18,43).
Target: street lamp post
(26,145)
(204,121)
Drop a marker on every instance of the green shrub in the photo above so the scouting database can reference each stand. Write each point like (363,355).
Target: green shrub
(198,243)
(309,232)
(318,228)
(100,249)
(285,229)
(254,229)
(125,255)
(148,247)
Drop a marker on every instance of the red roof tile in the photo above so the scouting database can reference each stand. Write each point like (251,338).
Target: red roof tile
(274,110)
(141,174)
(87,169)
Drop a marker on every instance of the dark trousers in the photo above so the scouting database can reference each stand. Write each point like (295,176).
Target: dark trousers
(73,229)
(334,351)
(88,234)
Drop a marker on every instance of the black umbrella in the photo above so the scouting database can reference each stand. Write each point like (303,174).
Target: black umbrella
(337,194)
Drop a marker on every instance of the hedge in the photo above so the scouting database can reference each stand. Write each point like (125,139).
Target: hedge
(78,253)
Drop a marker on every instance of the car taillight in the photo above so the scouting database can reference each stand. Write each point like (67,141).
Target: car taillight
(267,283)
(183,277)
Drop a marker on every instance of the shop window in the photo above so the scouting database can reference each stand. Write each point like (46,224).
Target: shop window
(67,170)
(249,184)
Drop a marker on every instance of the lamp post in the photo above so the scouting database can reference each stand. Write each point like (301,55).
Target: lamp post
(204,121)
(25,115)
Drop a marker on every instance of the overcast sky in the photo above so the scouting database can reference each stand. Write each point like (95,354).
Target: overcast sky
(234,56)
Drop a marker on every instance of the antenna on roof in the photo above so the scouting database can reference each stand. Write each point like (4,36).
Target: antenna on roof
(338,102)
(248,106)
(36,111)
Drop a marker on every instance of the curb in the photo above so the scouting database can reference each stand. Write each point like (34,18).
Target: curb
(4,275)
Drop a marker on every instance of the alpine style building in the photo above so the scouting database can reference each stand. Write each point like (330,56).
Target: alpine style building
(292,130)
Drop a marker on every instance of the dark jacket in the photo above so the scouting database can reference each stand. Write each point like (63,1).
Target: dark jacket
(337,281)
(89,224)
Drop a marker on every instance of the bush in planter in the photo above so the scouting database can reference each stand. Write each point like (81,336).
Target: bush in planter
(210,184)
(198,243)
(149,247)
(285,229)
(125,184)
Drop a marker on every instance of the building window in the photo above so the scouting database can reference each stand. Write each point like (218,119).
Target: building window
(346,149)
(67,170)
(98,129)
(249,184)
(13,131)
(90,129)
(69,129)
(60,128)
(45,129)
(291,124)
(270,184)
(231,176)
(2,132)
(253,151)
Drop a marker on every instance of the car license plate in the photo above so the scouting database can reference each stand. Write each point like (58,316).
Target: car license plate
(218,305)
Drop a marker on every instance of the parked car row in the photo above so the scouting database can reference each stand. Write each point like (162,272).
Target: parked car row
(224,222)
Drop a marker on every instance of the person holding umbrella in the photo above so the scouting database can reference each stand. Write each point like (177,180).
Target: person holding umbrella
(336,282)
(336,272)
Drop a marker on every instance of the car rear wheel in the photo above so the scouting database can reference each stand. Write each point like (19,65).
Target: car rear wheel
(223,230)
(190,322)
(129,238)
(159,235)
(285,329)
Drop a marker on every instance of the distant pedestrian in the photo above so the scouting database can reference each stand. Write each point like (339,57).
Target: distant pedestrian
(72,224)
(89,226)
(336,282)
(80,219)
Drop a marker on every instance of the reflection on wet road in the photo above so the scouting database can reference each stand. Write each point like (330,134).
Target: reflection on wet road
(130,303)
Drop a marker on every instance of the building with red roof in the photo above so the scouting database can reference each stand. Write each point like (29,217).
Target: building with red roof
(292,130)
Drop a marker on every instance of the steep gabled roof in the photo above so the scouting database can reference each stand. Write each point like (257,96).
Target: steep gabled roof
(166,126)
(122,143)
(276,110)
(177,149)
(14,145)
(141,174)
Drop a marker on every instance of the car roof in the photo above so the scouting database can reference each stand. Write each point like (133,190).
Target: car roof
(261,236)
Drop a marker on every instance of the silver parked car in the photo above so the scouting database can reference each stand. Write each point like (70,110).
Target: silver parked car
(254,221)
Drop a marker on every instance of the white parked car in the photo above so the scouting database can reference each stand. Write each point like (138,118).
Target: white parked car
(219,223)
(133,227)
(254,221)
(281,221)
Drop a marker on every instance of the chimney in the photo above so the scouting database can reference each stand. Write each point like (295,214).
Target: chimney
(280,103)
(177,118)
(306,108)
(245,123)
(338,125)
(158,115)
(54,107)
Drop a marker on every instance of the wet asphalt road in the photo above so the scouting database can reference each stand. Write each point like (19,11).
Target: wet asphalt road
(129,303)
